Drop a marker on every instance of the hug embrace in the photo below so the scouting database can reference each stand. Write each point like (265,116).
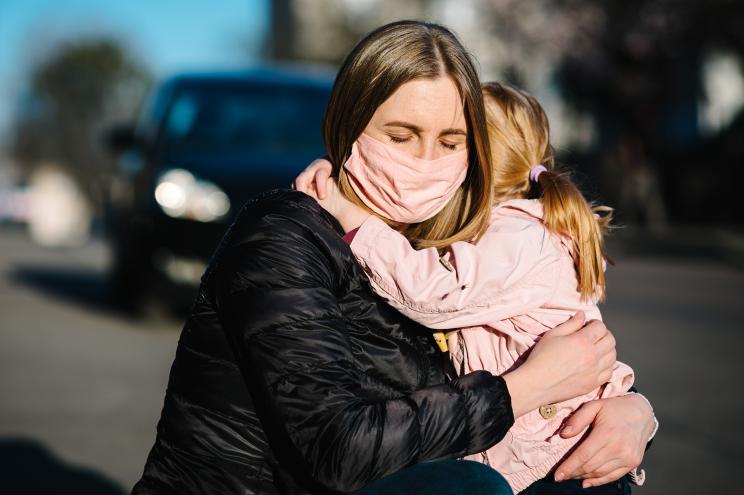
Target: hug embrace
(419,317)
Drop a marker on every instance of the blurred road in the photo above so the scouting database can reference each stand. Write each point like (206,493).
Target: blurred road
(81,387)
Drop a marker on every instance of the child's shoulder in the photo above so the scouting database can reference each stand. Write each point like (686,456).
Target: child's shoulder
(518,213)
(524,217)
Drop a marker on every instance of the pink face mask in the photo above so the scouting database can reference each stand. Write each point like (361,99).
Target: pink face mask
(399,186)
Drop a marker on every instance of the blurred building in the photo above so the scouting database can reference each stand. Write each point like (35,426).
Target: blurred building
(515,40)
(644,96)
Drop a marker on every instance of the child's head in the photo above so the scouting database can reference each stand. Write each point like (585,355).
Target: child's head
(520,140)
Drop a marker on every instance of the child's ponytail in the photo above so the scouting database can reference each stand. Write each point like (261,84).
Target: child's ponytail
(567,213)
(524,167)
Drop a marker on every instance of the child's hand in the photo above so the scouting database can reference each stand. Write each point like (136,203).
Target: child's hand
(348,214)
(316,181)
(312,181)
(332,200)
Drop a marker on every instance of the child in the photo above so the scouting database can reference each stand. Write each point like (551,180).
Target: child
(540,261)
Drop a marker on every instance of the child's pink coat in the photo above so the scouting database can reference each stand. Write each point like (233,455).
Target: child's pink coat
(516,283)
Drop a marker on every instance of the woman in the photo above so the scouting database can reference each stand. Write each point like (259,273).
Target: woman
(292,377)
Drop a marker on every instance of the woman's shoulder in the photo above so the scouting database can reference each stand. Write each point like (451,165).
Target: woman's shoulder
(282,202)
(278,232)
(281,213)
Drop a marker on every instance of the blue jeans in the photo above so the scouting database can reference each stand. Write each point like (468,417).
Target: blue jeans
(450,477)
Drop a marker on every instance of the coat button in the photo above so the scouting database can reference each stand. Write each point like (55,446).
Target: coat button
(548,411)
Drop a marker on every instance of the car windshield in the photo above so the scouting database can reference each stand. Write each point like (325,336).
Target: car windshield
(248,119)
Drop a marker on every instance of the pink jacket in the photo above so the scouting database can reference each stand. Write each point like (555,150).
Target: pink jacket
(504,292)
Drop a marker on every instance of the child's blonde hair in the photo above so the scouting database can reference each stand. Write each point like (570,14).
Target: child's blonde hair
(520,140)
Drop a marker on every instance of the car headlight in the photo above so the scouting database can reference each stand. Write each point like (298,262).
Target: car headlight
(181,195)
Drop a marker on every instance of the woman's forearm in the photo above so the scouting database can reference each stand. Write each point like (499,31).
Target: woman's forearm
(527,394)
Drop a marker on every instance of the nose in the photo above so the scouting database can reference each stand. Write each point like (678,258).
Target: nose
(426,149)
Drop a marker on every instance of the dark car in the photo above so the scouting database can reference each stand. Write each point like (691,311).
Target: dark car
(203,145)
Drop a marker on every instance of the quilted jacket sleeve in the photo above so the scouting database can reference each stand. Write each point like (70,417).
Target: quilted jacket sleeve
(275,288)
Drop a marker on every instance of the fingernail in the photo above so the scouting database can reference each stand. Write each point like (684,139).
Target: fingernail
(586,484)
(567,430)
(559,476)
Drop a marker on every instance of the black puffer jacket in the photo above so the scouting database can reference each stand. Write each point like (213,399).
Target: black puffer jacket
(291,376)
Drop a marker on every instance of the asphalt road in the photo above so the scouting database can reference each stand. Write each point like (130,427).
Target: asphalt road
(81,387)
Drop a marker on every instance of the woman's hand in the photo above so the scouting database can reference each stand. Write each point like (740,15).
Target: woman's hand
(569,361)
(313,179)
(621,428)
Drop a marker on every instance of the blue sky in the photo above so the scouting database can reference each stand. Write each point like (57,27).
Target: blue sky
(167,35)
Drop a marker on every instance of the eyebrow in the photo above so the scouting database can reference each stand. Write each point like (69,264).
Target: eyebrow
(453,131)
(405,125)
(418,130)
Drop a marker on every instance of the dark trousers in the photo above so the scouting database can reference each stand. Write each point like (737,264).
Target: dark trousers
(547,486)
(450,477)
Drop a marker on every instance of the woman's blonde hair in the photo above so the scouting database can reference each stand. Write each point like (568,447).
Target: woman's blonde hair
(377,66)
(520,139)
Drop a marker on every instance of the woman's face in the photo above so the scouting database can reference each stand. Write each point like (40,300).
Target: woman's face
(423,117)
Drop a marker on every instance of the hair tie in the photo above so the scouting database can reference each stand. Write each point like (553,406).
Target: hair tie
(536,171)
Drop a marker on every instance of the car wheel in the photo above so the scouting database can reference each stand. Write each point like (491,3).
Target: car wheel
(130,274)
